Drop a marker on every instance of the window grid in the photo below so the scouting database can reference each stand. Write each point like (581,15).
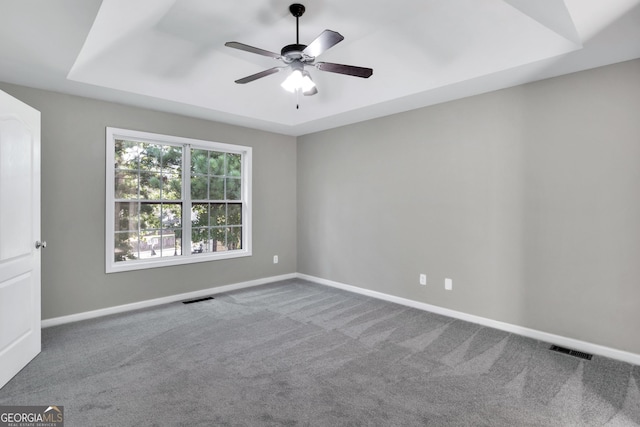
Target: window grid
(215,227)
(160,166)
(151,198)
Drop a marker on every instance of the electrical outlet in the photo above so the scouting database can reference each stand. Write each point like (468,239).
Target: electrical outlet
(275,259)
(423,279)
(448,284)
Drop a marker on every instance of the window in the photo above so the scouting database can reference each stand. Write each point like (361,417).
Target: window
(173,200)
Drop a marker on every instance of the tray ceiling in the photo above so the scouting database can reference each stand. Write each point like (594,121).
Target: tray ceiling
(170,55)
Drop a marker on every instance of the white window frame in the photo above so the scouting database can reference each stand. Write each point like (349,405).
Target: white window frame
(113,134)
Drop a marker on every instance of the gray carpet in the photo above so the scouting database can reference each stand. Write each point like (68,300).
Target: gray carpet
(296,353)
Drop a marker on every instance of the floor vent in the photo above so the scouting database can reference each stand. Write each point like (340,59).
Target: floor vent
(197,300)
(574,353)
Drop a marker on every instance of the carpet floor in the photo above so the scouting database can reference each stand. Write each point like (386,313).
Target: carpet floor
(294,353)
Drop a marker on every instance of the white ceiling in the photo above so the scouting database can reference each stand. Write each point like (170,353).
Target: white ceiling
(169,55)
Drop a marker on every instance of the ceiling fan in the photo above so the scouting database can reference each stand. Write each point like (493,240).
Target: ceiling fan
(296,56)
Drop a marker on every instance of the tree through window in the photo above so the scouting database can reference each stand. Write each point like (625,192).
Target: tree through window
(175,200)
(216,193)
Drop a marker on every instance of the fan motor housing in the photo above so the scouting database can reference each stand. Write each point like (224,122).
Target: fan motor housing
(293,51)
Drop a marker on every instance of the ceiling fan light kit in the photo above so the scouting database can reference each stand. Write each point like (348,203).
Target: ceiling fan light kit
(299,80)
(296,56)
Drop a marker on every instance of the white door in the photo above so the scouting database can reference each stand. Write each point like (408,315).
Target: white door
(19,230)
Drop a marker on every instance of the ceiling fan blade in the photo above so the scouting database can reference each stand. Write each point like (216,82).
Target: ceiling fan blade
(247,48)
(350,70)
(259,75)
(324,41)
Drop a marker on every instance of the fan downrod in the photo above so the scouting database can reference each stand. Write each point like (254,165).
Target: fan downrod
(296,10)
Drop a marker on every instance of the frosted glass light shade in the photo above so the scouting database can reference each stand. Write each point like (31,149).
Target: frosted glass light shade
(298,80)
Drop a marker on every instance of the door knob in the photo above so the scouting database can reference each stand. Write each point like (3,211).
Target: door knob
(40,244)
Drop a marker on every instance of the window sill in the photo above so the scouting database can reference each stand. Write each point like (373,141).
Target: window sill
(169,261)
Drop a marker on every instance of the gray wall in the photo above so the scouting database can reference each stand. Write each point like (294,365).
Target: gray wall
(528,198)
(73,205)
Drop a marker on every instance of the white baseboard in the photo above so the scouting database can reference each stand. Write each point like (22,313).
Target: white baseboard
(164,300)
(584,346)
